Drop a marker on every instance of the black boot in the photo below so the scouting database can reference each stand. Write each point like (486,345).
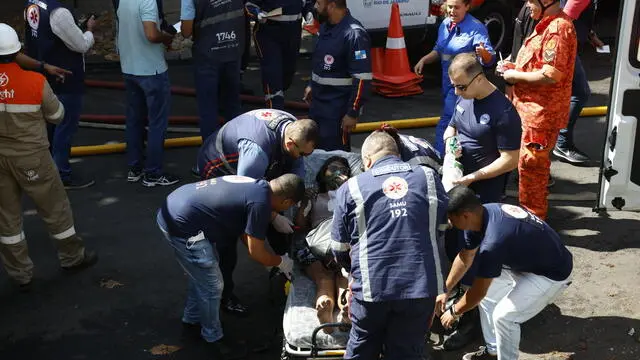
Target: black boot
(467,331)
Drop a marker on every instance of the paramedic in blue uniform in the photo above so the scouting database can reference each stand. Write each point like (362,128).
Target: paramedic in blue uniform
(386,234)
(277,42)
(489,131)
(264,143)
(53,37)
(458,33)
(341,74)
(218,42)
(522,267)
(196,216)
(413,150)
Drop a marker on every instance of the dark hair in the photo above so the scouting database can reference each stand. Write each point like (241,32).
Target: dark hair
(341,4)
(462,199)
(290,187)
(5,59)
(322,186)
(305,131)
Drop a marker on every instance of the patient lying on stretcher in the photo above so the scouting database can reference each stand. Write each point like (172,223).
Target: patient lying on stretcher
(312,243)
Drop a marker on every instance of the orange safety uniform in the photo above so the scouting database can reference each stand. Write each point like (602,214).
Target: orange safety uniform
(26,166)
(543,108)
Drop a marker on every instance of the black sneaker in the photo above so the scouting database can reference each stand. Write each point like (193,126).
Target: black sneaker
(90,259)
(227,350)
(481,354)
(134,175)
(571,155)
(233,306)
(195,171)
(75,182)
(162,180)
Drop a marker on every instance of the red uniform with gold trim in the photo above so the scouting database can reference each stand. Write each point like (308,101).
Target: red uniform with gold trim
(543,108)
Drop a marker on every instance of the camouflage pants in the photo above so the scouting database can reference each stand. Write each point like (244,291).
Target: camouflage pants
(534,168)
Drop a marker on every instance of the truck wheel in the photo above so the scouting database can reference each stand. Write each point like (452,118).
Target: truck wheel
(498,18)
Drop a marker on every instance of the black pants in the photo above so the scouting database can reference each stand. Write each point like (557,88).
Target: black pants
(228,254)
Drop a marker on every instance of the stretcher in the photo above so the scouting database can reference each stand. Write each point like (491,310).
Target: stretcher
(303,335)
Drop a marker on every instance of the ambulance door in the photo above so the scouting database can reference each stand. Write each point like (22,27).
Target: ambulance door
(620,171)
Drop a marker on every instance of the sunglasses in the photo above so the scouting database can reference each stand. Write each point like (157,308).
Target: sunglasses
(465,87)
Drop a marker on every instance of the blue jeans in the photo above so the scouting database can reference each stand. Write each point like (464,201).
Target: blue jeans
(148,97)
(580,93)
(211,78)
(199,260)
(61,135)
(449,99)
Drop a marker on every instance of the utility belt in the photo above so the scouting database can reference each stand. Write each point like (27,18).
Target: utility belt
(173,229)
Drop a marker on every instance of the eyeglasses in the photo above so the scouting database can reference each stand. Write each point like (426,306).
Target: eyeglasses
(302,153)
(465,87)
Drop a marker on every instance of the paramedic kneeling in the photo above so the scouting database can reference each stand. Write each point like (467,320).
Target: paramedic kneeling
(522,267)
(386,221)
(196,216)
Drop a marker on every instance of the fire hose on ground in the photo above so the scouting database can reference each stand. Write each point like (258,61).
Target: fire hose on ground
(117,121)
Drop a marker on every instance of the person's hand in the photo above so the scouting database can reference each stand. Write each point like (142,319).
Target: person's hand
(441,301)
(508,92)
(419,66)
(262,17)
(447,320)
(286,266)
(465,180)
(482,51)
(595,40)
(348,124)
(282,224)
(167,39)
(58,73)
(504,65)
(307,95)
(91,23)
(510,76)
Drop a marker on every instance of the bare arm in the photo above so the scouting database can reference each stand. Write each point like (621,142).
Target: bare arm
(259,252)
(473,296)
(27,62)
(186,28)
(507,161)
(460,266)
(153,34)
(450,132)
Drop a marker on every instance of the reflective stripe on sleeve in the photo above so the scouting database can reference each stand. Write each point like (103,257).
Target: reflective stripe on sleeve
(363,252)
(339,246)
(433,215)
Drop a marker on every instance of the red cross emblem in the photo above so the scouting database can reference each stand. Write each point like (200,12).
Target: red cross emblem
(34,16)
(267,114)
(394,187)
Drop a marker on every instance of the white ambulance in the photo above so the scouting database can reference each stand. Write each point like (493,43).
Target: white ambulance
(620,171)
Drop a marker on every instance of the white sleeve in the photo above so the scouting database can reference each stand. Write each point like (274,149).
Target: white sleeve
(64,26)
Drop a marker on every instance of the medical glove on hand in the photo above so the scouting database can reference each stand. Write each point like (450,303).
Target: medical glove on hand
(286,266)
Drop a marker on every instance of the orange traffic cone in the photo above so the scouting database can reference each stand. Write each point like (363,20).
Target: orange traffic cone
(377,61)
(396,78)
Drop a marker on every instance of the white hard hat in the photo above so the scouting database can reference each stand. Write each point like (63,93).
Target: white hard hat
(9,42)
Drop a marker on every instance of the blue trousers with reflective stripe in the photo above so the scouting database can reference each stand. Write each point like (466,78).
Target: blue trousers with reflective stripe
(277,46)
(400,326)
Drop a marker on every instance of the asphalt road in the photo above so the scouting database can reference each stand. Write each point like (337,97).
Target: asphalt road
(75,317)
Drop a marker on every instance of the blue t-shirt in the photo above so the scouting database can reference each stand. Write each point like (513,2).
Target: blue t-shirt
(139,56)
(485,127)
(515,239)
(223,208)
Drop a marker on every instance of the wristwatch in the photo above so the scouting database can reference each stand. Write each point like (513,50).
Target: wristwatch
(41,67)
(453,312)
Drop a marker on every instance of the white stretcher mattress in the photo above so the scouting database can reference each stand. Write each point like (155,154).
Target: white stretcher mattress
(300,317)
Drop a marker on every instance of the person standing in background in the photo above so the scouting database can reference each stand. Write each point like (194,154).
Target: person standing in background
(53,37)
(141,47)
(458,33)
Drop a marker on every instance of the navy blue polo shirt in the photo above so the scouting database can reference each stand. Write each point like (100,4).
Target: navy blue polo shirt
(515,239)
(223,208)
(485,127)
